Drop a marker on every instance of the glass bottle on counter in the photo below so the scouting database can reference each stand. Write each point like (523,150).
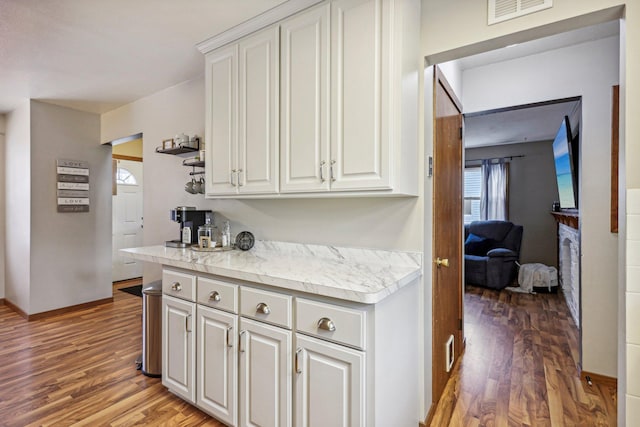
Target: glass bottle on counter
(209,232)
(226,235)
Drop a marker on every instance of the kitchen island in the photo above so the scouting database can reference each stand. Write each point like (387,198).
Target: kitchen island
(290,334)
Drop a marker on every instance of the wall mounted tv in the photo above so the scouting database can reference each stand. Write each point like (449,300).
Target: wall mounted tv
(565,154)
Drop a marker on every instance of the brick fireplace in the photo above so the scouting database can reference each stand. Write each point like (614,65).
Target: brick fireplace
(569,260)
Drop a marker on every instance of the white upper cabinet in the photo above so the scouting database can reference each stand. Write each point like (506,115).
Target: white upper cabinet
(242,137)
(221,79)
(304,102)
(258,138)
(360,90)
(328,108)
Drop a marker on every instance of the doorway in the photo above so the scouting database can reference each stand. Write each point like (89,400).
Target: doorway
(127,206)
(491,88)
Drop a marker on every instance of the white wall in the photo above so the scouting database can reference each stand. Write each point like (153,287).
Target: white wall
(18,206)
(588,70)
(453,73)
(70,252)
(2,205)
(160,116)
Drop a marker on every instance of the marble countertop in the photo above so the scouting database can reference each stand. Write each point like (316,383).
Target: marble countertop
(359,275)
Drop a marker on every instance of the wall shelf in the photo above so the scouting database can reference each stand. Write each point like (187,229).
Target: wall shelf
(177,150)
(193,163)
(570,219)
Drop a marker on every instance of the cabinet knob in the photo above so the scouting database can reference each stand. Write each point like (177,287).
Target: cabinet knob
(326,324)
(176,286)
(215,296)
(263,308)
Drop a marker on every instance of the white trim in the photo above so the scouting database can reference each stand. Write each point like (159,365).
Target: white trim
(256,23)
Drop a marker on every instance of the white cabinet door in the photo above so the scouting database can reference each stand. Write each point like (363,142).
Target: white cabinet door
(304,102)
(178,347)
(360,94)
(265,375)
(329,384)
(217,363)
(221,75)
(258,131)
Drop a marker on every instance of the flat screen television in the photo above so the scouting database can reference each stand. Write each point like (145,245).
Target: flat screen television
(566,163)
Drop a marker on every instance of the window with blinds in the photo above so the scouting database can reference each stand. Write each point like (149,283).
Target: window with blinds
(472,181)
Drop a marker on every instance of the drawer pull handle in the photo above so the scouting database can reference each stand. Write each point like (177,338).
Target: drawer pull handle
(263,308)
(326,324)
(215,296)
(241,348)
(298,370)
(229,343)
(176,287)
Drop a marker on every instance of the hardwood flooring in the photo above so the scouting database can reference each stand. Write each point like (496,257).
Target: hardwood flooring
(78,369)
(520,367)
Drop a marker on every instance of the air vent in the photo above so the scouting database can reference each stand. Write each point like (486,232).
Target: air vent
(501,10)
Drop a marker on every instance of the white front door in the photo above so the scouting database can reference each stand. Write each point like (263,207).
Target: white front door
(127,219)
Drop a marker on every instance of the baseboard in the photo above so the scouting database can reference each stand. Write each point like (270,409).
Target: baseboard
(429,419)
(58,311)
(592,378)
(15,308)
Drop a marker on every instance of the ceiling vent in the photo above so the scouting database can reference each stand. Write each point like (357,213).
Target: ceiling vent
(501,10)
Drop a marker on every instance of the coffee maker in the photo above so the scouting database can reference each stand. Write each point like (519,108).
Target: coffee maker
(190,219)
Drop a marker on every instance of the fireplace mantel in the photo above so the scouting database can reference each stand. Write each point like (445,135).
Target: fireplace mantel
(570,219)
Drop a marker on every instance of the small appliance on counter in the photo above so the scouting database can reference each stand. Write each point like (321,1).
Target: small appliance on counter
(190,219)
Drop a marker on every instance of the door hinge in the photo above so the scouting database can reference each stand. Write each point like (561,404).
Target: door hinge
(460,132)
(460,324)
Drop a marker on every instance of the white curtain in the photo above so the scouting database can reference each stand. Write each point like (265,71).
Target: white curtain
(493,194)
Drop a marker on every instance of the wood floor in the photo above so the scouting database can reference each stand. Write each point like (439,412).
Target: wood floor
(520,367)
(78,369)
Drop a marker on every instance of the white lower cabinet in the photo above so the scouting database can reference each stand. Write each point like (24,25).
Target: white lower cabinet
(265,375)
(217,363)
(254,357)
(178,347)
(329,384)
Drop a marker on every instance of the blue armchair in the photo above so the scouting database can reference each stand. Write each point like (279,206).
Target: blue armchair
(491,250)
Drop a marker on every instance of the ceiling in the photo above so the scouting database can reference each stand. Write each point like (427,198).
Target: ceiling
(535,123)
(96,55)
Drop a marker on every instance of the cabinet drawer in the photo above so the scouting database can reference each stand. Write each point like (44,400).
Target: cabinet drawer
(267,306)
(178,284)
(217,294)
(317,318)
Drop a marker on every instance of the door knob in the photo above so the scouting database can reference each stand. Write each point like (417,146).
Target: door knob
(442,262)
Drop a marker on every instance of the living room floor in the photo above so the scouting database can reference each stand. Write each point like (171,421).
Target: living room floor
(520,367)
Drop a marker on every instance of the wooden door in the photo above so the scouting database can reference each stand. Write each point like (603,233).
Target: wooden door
(221,75)
(178,355)
(329,384)
(217,363)
(265,375)
(304,102)
(447,233)
(360,101)
(258,107)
